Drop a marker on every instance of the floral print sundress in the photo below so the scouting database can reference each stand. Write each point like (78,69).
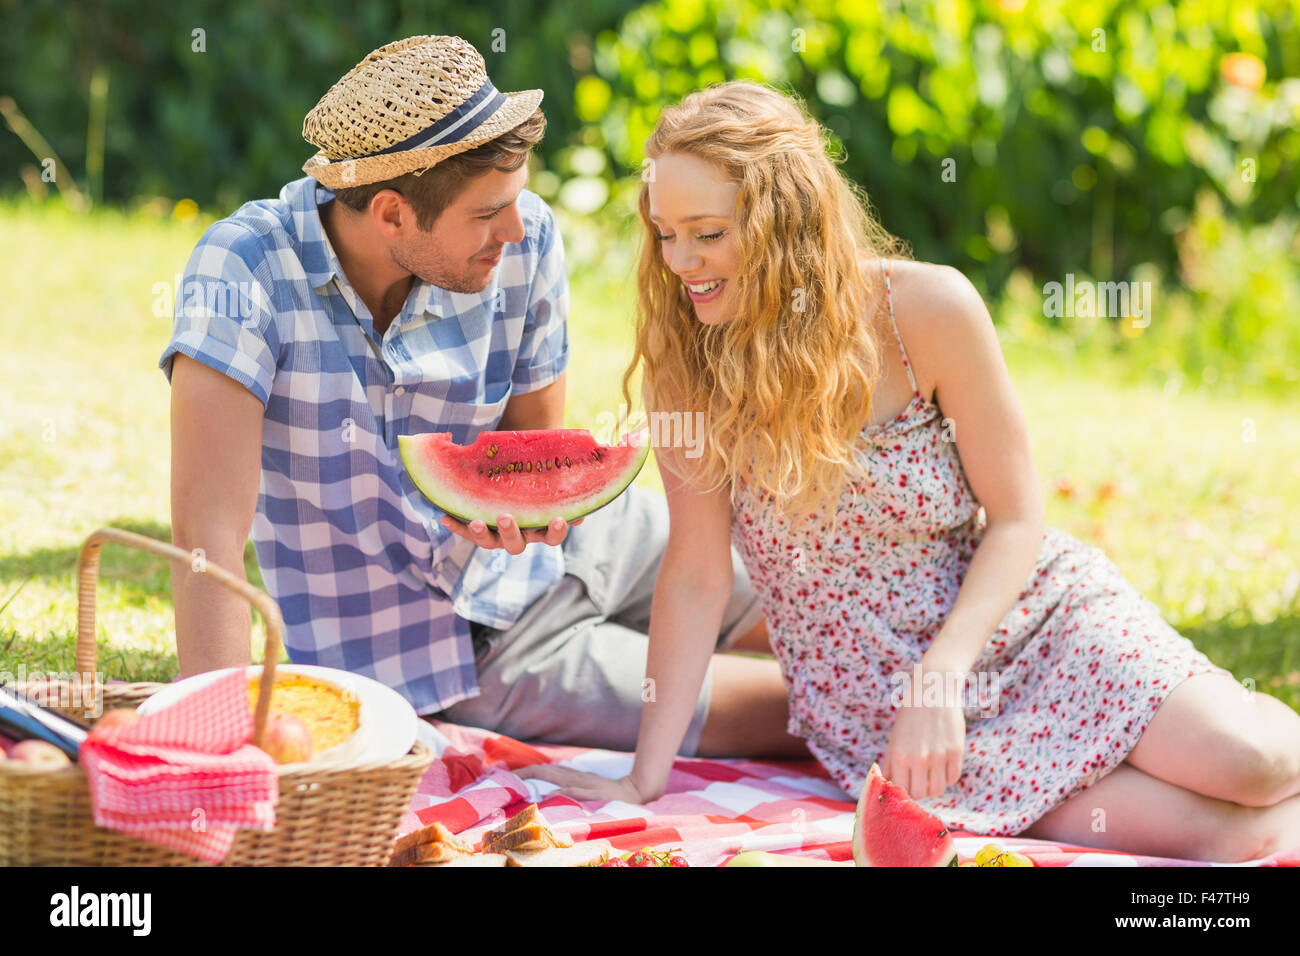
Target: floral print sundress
(1082,660)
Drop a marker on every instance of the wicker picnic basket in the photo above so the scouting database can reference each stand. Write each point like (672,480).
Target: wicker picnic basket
(344,814)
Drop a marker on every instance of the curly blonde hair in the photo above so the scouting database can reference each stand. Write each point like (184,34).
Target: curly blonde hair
(786,384)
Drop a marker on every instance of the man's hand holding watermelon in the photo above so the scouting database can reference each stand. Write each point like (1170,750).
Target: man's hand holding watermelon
(528,483)
(508,535)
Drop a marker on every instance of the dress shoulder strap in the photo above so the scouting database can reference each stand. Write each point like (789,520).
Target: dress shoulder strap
(889,295)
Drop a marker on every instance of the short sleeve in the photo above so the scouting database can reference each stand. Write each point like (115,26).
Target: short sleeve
(223,314)
(544,349)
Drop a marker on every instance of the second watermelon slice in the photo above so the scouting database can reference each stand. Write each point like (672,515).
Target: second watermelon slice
(892,829)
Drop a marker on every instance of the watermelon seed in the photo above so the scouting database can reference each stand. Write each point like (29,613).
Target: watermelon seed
(566,460)
(528,466)
(509,468)
(492,451)
(548,466)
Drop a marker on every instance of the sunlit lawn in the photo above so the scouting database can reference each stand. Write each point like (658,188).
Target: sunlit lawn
(1200,519)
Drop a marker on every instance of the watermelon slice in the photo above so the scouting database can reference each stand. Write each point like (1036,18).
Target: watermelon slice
(892,829)
(533,476)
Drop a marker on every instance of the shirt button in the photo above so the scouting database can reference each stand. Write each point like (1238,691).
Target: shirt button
(400,390)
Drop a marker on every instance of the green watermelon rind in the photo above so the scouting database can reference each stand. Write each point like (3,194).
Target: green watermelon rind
(454,504)
(860,854)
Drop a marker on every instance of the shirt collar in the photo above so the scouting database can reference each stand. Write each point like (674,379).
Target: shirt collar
(320,264)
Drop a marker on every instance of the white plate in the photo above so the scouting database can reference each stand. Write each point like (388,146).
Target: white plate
(388,721)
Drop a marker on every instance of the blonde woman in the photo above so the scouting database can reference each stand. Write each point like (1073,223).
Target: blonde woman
(867,454)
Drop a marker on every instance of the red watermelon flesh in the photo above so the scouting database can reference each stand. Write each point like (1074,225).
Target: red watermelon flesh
(533,476)
(892,829)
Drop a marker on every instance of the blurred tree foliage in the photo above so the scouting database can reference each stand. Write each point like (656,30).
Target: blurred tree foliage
(217,116)
(1078,132)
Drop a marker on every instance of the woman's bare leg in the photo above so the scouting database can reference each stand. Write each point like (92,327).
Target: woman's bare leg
(748,710)
(753,641)
(1134,812)
(1214,737)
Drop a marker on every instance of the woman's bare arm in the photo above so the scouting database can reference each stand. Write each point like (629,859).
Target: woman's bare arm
(690,598)
(959,345)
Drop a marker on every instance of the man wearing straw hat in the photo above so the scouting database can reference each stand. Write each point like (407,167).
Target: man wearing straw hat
(409,284)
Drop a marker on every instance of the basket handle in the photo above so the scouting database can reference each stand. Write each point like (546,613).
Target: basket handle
(88,574)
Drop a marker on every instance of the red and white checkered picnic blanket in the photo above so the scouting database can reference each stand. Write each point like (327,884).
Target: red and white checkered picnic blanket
(712,808)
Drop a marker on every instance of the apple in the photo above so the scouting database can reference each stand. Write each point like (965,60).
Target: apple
(753,858)
(38,753)
(287,738)
(762,858)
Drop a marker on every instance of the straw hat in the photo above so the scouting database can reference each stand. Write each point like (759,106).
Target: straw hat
(405,107)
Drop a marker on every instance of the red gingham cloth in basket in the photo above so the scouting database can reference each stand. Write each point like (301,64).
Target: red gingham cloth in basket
(712,809)
(186,777)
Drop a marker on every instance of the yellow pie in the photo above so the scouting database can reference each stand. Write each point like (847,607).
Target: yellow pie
(331,714)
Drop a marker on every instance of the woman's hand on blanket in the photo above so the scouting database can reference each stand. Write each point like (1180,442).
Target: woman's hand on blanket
(582,786)
(925,749)
(508,535)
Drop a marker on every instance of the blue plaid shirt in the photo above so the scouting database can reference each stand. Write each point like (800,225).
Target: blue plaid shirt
(366,577)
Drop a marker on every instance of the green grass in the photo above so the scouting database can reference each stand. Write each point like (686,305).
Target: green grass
(1200,520)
